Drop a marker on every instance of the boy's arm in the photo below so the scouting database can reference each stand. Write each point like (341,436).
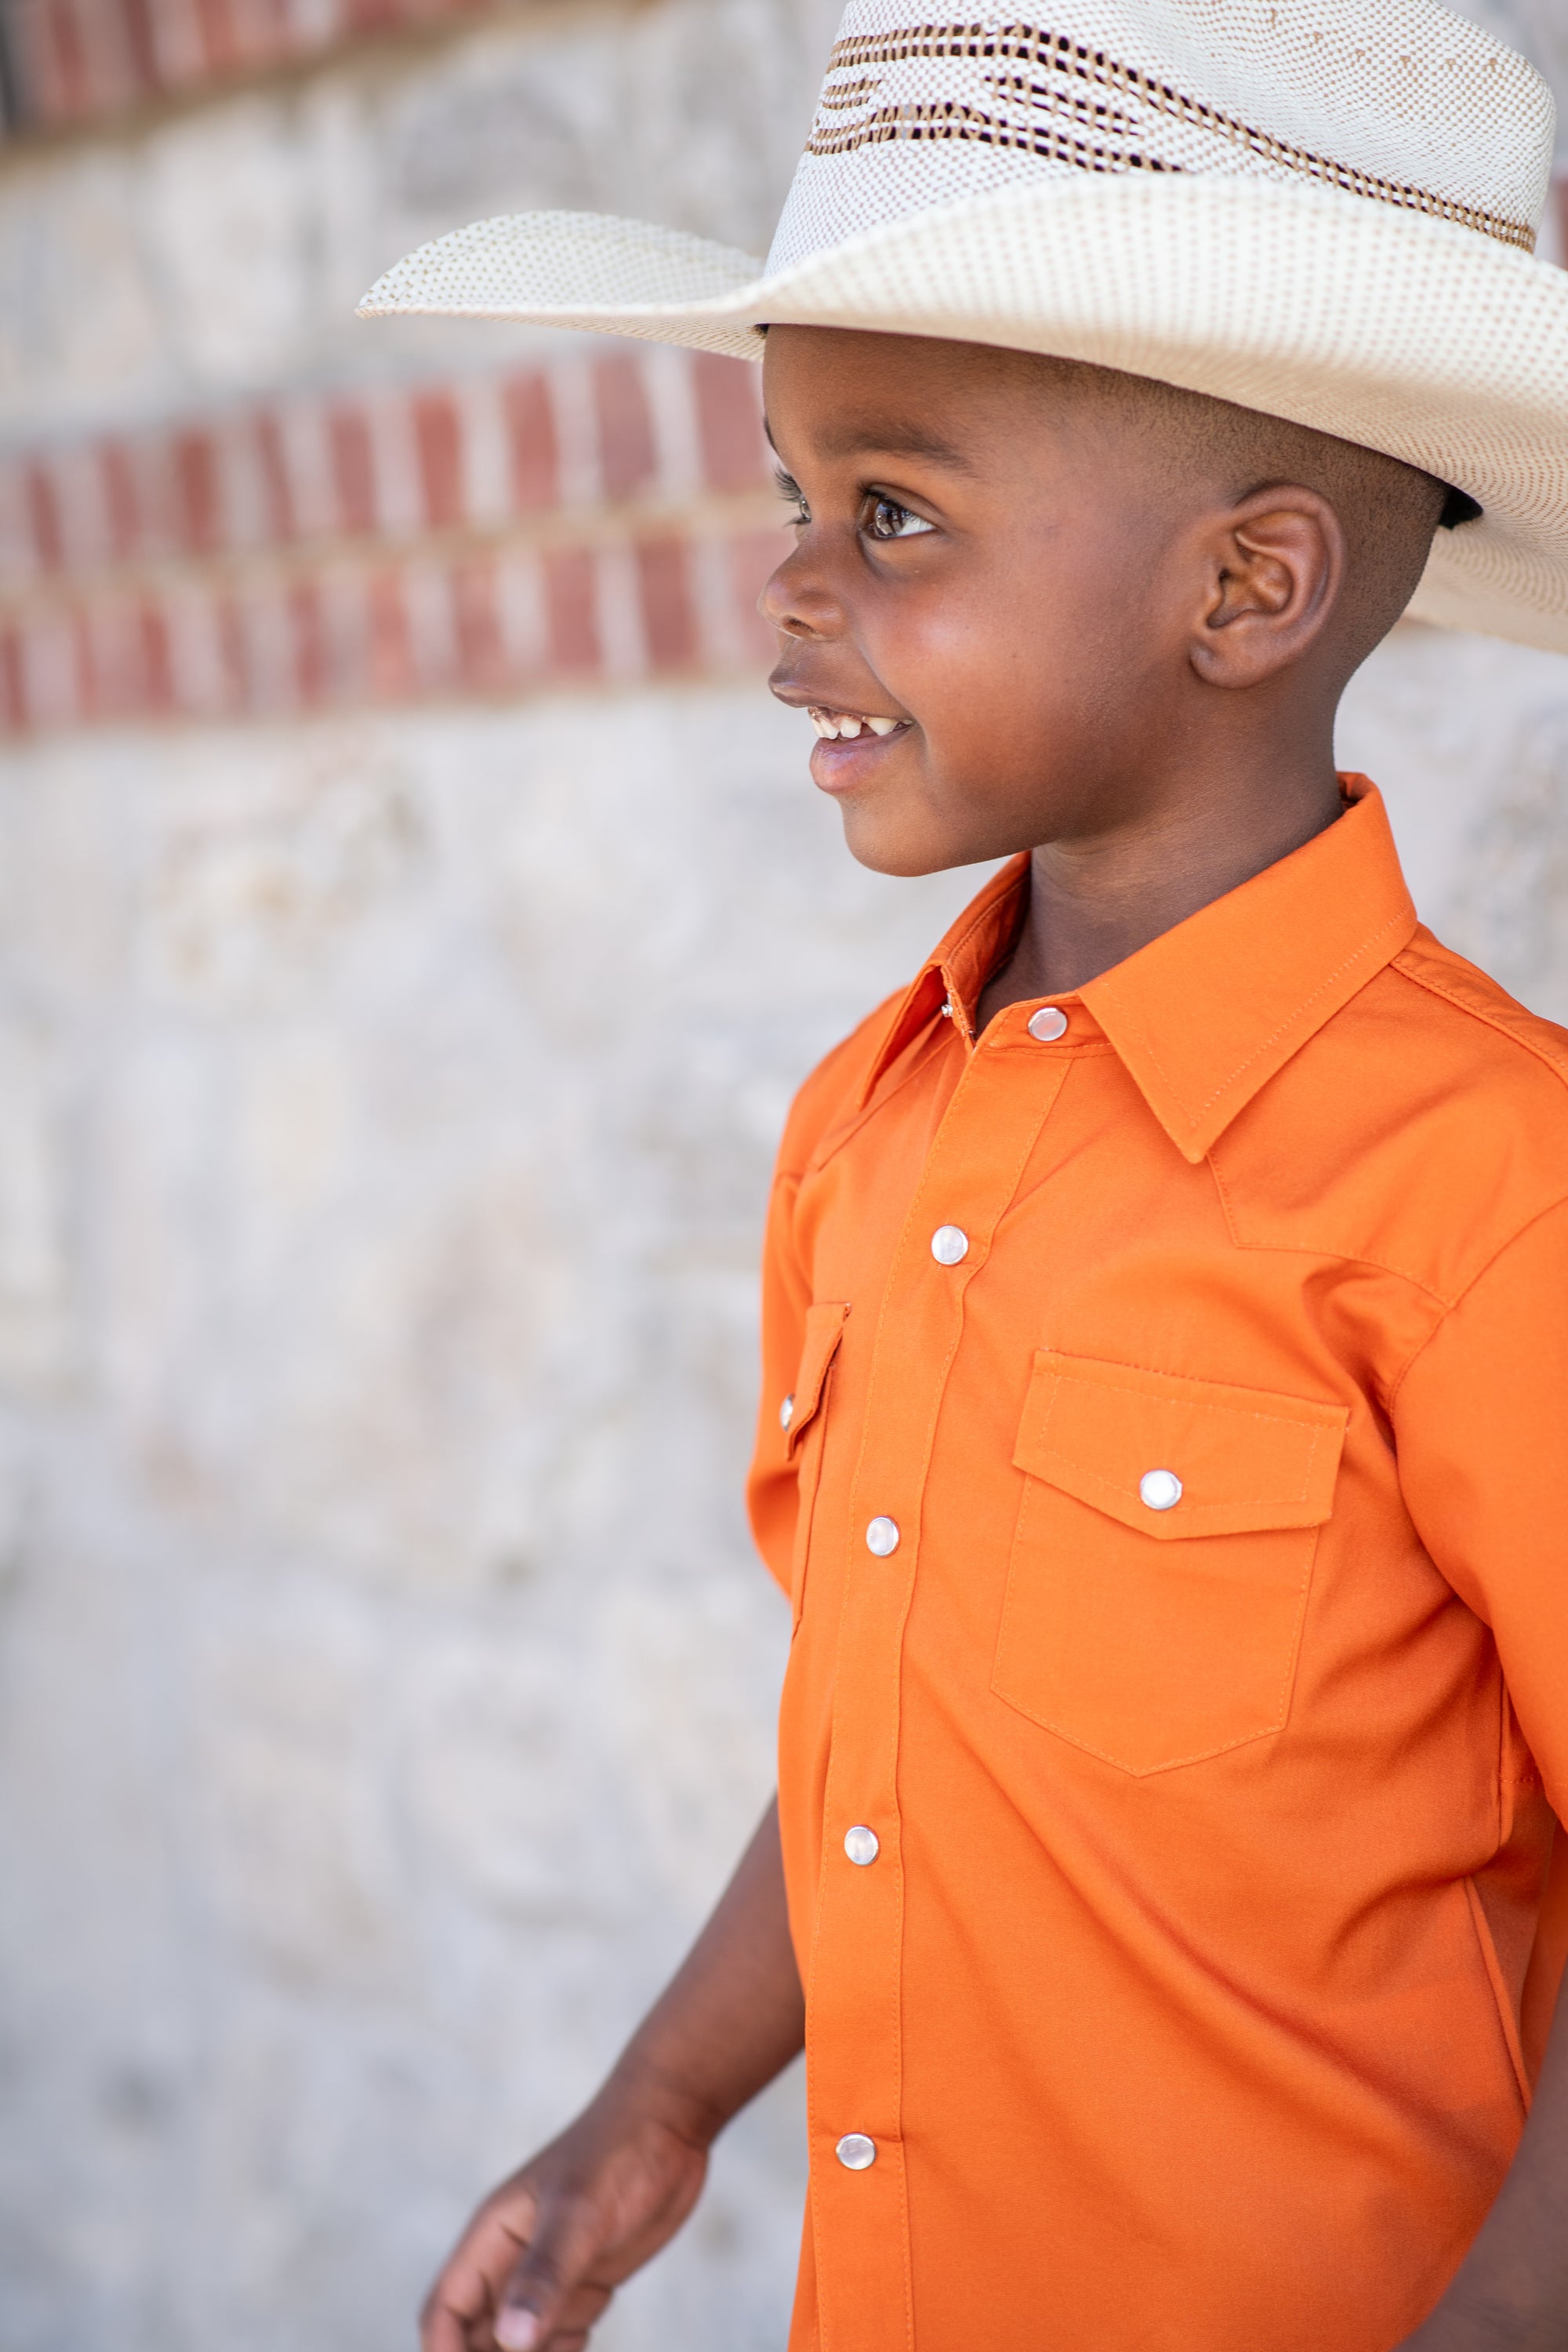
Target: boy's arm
(1478,1419)
(540,2258)
(1510,2292)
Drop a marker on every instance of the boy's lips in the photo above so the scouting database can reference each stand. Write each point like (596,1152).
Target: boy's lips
(850,745)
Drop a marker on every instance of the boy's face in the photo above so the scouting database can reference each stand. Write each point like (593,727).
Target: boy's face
(998,562)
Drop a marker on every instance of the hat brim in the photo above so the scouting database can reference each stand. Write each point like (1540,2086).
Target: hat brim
(1404,333)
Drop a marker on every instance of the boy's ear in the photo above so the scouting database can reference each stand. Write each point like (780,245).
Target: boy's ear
(1274,566)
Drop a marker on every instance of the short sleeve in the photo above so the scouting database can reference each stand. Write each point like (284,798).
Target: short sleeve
(786,1296)
(1480,1422)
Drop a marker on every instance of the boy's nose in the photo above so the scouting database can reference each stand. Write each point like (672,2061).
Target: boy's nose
(798,603)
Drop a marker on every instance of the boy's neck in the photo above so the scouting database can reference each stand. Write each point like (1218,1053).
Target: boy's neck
(1095,901)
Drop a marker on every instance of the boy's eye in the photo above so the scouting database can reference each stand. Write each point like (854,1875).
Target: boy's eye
(789,489)
(889,520)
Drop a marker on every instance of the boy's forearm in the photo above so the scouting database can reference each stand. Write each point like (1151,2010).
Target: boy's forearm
(733,2015)
(1510,2292)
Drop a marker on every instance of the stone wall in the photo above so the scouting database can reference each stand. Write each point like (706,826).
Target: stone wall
(413,919)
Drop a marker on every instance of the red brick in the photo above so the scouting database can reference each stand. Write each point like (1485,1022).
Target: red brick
(628,459)
(664,593)
(142,46)
(729,421)
(197,488)
(220,47)
(312,666)
(120,500)
(103,31)
(12,699)
(70,92)
(438,439)
(44,514)
(572,612)
(354,470)
(157,680)
(535,450)
(754,556)
(52,680)
(278,492)
(481,656)
(389,656)
(261,30)
(233,663)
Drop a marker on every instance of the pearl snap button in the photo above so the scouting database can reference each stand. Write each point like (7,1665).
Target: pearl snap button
(883,1537)
(786,1412)
(1048,1023)
(861,1844)
(1160,1489)
(856,2152)
(949,1244)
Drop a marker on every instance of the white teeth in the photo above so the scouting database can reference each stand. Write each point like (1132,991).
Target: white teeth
(834,723)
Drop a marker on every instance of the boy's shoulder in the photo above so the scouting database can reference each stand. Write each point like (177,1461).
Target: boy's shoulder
(1421,1130)
(1478,999)
(829,1099)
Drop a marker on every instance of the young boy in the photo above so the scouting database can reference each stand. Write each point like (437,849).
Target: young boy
(1161,1439)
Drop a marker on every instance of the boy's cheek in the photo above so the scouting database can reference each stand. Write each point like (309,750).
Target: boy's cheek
(930,810)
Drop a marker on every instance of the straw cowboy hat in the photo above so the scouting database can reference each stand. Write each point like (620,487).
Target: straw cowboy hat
(1323,209)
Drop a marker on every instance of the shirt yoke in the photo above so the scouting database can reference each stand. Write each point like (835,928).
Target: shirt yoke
(1421,1132)
(832,1090)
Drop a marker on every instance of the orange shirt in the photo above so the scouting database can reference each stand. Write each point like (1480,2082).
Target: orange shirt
(1172,1506)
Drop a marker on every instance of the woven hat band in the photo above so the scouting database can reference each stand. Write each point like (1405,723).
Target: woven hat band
(1394,100)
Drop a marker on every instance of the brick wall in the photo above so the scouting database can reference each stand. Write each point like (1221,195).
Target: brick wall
(608,518)
(76,61)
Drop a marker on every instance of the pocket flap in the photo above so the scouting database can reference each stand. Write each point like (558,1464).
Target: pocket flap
(824,1330)
(1230,1459)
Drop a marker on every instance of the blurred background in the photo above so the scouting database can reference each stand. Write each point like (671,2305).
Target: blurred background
(413,918)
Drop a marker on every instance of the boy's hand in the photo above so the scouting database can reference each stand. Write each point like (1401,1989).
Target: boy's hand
(543,2254)
(542,2257)
(1510,2291)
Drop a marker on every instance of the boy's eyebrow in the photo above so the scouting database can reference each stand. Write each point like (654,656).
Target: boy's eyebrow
(891,439)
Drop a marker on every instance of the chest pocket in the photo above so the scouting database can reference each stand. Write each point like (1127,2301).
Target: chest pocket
(805,1428)
(1161,1557)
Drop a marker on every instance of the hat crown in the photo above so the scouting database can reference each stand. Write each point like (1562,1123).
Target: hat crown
(1395,101)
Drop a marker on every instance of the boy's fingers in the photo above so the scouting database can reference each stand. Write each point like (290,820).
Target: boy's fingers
(566,2237)
(458,2305)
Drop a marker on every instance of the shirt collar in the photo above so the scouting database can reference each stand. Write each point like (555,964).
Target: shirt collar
(1203,1016)
(951,979)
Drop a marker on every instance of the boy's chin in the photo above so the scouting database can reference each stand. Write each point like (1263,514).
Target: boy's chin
(872,847)
(888,848)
